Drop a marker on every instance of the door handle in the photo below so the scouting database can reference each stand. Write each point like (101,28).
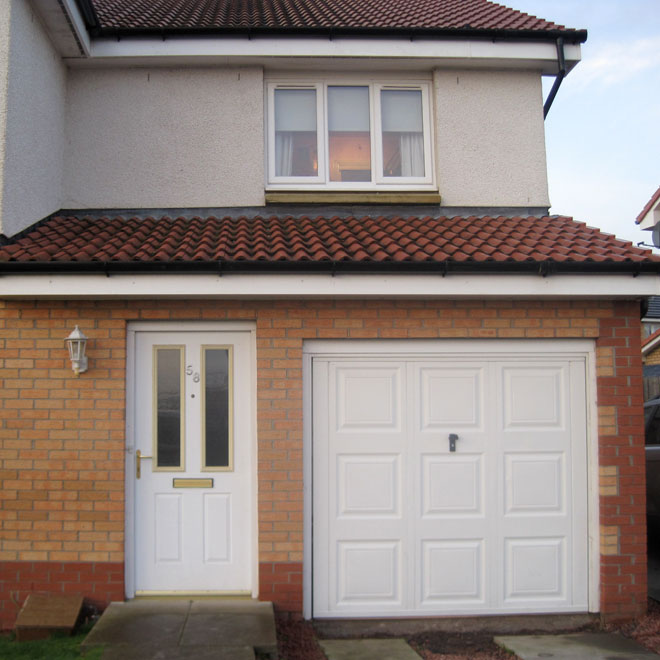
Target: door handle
(452,441)
(138,458)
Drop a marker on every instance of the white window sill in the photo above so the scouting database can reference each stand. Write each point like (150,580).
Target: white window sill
(326,196)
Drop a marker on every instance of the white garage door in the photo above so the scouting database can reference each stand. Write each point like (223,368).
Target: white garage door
(403,525)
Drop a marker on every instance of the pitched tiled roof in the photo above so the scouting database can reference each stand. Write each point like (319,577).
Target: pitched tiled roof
(651,339)
(649,205)
(256,242)
(308,15)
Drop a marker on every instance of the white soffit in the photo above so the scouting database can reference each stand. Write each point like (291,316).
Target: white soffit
(311,52)
(269,285)
(65,26)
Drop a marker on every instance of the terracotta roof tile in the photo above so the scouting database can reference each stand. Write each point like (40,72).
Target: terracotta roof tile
(372,241)
(292,15)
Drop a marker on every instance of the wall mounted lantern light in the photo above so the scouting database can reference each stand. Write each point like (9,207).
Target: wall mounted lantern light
(76,342)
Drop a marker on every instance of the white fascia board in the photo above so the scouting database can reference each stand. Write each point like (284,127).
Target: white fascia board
(286,51)
(650,346)
(270,285)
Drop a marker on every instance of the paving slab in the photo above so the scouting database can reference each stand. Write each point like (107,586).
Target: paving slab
(367,649)
(575,646)
(247,623)
(173,629)
(178,653)
(134,623)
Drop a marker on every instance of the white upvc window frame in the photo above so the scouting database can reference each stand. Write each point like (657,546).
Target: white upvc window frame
(378,180)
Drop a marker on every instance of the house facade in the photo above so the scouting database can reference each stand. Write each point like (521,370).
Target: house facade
(339,355)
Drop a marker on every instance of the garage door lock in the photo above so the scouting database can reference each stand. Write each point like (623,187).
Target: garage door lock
(452,441)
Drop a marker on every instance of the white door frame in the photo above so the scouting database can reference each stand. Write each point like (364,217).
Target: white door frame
(129,449)
(576,348)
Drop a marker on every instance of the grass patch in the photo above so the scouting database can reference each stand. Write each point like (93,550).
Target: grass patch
(58,647)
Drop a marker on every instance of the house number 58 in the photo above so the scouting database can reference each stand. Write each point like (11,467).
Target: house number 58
(195,374)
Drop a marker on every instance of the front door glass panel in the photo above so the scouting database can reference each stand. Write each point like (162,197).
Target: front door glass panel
(168,412)
(217,402)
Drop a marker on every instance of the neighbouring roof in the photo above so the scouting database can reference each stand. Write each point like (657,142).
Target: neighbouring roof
(254,243)
(651,343)
(113,17)
(649,205)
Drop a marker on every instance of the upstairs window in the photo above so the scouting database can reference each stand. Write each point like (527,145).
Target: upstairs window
(349,136)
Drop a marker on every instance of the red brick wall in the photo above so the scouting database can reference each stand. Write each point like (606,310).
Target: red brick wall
(62,460)
(98,582)
(622,467)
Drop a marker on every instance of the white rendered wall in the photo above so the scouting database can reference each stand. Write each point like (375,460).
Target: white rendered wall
(5,14)
(31,170)
(490,138)
(154,137)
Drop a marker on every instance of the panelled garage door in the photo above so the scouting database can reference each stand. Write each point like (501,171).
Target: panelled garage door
(408,523)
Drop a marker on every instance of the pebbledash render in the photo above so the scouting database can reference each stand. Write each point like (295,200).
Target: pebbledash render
(341,361)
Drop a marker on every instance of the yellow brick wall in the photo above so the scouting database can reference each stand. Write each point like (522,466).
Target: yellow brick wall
(62,437)
(653,357)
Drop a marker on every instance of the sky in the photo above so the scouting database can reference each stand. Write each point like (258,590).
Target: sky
(603,130)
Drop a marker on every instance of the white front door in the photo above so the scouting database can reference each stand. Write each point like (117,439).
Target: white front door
(408,523)
(193,461)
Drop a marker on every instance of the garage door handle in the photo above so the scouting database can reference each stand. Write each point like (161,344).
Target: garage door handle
(452,441)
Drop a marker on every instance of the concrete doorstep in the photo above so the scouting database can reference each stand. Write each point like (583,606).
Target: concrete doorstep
(173,629)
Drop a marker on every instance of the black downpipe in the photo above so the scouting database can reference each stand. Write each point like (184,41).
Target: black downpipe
(561,74)
(89,14)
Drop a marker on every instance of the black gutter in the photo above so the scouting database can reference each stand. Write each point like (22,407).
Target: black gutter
(543,268)
(561,74)
(412,33)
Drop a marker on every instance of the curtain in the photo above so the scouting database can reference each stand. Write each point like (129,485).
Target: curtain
(283,153)
(412,154)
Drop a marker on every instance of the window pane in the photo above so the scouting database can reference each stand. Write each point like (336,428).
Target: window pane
(168,407)
(403,133)
(652,419)
(349,141)
(217,407)
(295,132)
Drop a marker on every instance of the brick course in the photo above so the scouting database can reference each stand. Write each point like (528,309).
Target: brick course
(62,437)
(98,582)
